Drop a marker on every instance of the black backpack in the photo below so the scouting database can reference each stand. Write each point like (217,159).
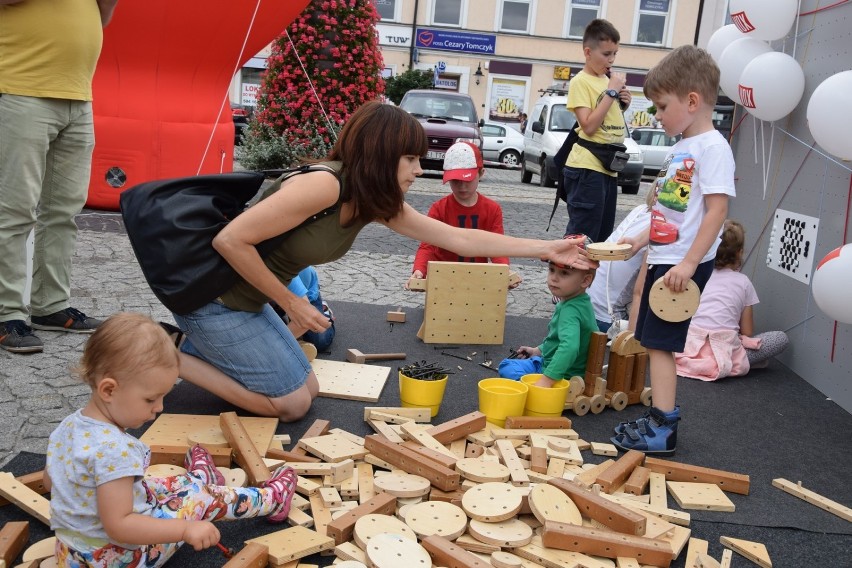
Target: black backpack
(555,168)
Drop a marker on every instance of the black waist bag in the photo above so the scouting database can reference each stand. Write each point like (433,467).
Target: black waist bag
(612,157)
(171,224)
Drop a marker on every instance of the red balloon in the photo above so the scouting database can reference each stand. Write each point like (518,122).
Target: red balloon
(161,88)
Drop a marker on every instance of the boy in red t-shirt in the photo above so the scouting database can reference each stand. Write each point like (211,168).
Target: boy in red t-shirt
(465,207)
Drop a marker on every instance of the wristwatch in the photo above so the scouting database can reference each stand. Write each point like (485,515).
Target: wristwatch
(612,93)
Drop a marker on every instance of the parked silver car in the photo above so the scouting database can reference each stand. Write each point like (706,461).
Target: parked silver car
(502,143)
(655,145)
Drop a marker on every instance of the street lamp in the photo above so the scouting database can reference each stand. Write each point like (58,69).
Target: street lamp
(478,73)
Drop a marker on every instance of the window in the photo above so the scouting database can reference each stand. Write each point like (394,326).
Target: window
(515,16)
(652,21)
(387,9)
(581,12)
(493,130)
(447,13)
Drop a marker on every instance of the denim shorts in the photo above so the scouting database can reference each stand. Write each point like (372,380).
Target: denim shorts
(255,349)
(655,333)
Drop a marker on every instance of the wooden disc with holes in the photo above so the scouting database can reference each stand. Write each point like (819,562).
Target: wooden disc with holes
(482,471)
(436,517)
(403,485)
(673,306)
(560,444)
(208,437)
(235,477)
(164,470)
(389,550)
(491,502)
(370,525)
(41,549)
(608,251)
(510,533)
(503,559)
(550,504)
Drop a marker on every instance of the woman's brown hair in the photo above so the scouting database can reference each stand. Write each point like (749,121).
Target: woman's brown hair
(729,253)
(370,145)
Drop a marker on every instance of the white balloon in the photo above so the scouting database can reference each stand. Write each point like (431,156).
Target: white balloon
(734,59)
(771,85)
(830,115)
(831,284)
(764,19)
(722,38)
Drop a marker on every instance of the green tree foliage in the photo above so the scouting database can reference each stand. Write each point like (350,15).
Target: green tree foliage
(314,83)
(397,86)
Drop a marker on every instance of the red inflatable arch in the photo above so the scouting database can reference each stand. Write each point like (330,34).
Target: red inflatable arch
(160,88)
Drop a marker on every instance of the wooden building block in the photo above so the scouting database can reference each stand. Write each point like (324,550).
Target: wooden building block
(594,361)
(601,449)
(342,528)
(300,518)
(615,476)
(511,460)
(320,513)
(555,558)
(446,553)
(727,557)
(702,496)
(538,422)
(293,543)
(384,429)
(458,428)
(813,498)
(588,477)
(176,429)
(253,555)
(704,560)
(416,433)
(674,471)
(333,447)
(754,551)
(671,515)
(337,471)
(638,480)
(538,460)
(34,481)
(350,551)
(350,381)
(432,455)
(465,303)
(13,536)
(657,489)
(24,497)
(176,454)
(403,458)
(695,547)
(626,562)
(307,486)
(396,316)
(471,544)
(330,497)
(245,452)
(291,456)
(605,543)
(416,414)
(614,516)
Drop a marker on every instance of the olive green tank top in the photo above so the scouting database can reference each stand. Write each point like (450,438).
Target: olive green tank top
(319,242)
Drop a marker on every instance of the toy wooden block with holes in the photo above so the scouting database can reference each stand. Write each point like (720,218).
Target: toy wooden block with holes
(465,303)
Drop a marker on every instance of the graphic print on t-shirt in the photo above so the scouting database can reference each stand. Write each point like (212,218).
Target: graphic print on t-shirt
(671,192)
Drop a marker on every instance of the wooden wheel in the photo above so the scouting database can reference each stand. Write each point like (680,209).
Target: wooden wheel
(582,404)
(598,403)
(618,401)
(578,385)
(645,397)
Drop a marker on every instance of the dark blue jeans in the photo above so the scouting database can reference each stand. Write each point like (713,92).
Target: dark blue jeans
(591,202)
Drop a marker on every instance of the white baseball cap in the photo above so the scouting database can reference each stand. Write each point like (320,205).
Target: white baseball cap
(462,162)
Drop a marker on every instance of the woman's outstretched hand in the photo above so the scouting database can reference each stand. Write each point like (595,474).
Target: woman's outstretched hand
(568,252)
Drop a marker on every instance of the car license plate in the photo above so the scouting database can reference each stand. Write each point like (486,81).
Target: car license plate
(430,155)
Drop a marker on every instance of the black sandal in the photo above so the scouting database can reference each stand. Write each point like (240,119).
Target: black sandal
(173,331)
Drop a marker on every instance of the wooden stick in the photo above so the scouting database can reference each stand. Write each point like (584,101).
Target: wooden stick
(245,453)
(726,480)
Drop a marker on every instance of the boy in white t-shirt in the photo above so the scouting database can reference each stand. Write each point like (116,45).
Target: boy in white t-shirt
(689,204)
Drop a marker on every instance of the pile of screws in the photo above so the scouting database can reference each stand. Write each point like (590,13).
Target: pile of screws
(425,371)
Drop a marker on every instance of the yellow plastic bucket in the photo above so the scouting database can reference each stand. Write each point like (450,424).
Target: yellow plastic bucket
(543,401)
(417,393)
(499,398)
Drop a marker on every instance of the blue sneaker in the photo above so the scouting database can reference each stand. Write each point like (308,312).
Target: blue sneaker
(656,435)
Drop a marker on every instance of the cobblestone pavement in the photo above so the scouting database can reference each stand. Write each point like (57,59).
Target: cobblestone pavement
(38,391)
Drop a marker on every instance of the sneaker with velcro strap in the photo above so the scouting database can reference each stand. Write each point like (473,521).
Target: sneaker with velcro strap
(17,337)
(70,320)
(653,434)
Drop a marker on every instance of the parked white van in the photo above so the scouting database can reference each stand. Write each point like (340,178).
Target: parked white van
(548,126)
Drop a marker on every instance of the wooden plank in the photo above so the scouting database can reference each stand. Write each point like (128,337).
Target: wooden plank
(293,543)
(350,381)
(555,558)
(24,497)
(703,560)
(615,476)
(337,471)
(657,489)
(695,547)
(245,452)
(289,456)
(34,481)
(319,427)
(538,422)
(175,430)
(458,428)
(403,458)
(587,478)
(754,551)
(341,528)
(813,498)
(333,447)
(566,536)
(253,555)
(671,515)
(176,455)
(416,414)
(366,490)
(417,434)
(595,507)
(523,434)
(674,471)
(446,553)
(638,480)
(432,455)
(510,459)
(320,513)
(701,496)
(384,429)
(13,537)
